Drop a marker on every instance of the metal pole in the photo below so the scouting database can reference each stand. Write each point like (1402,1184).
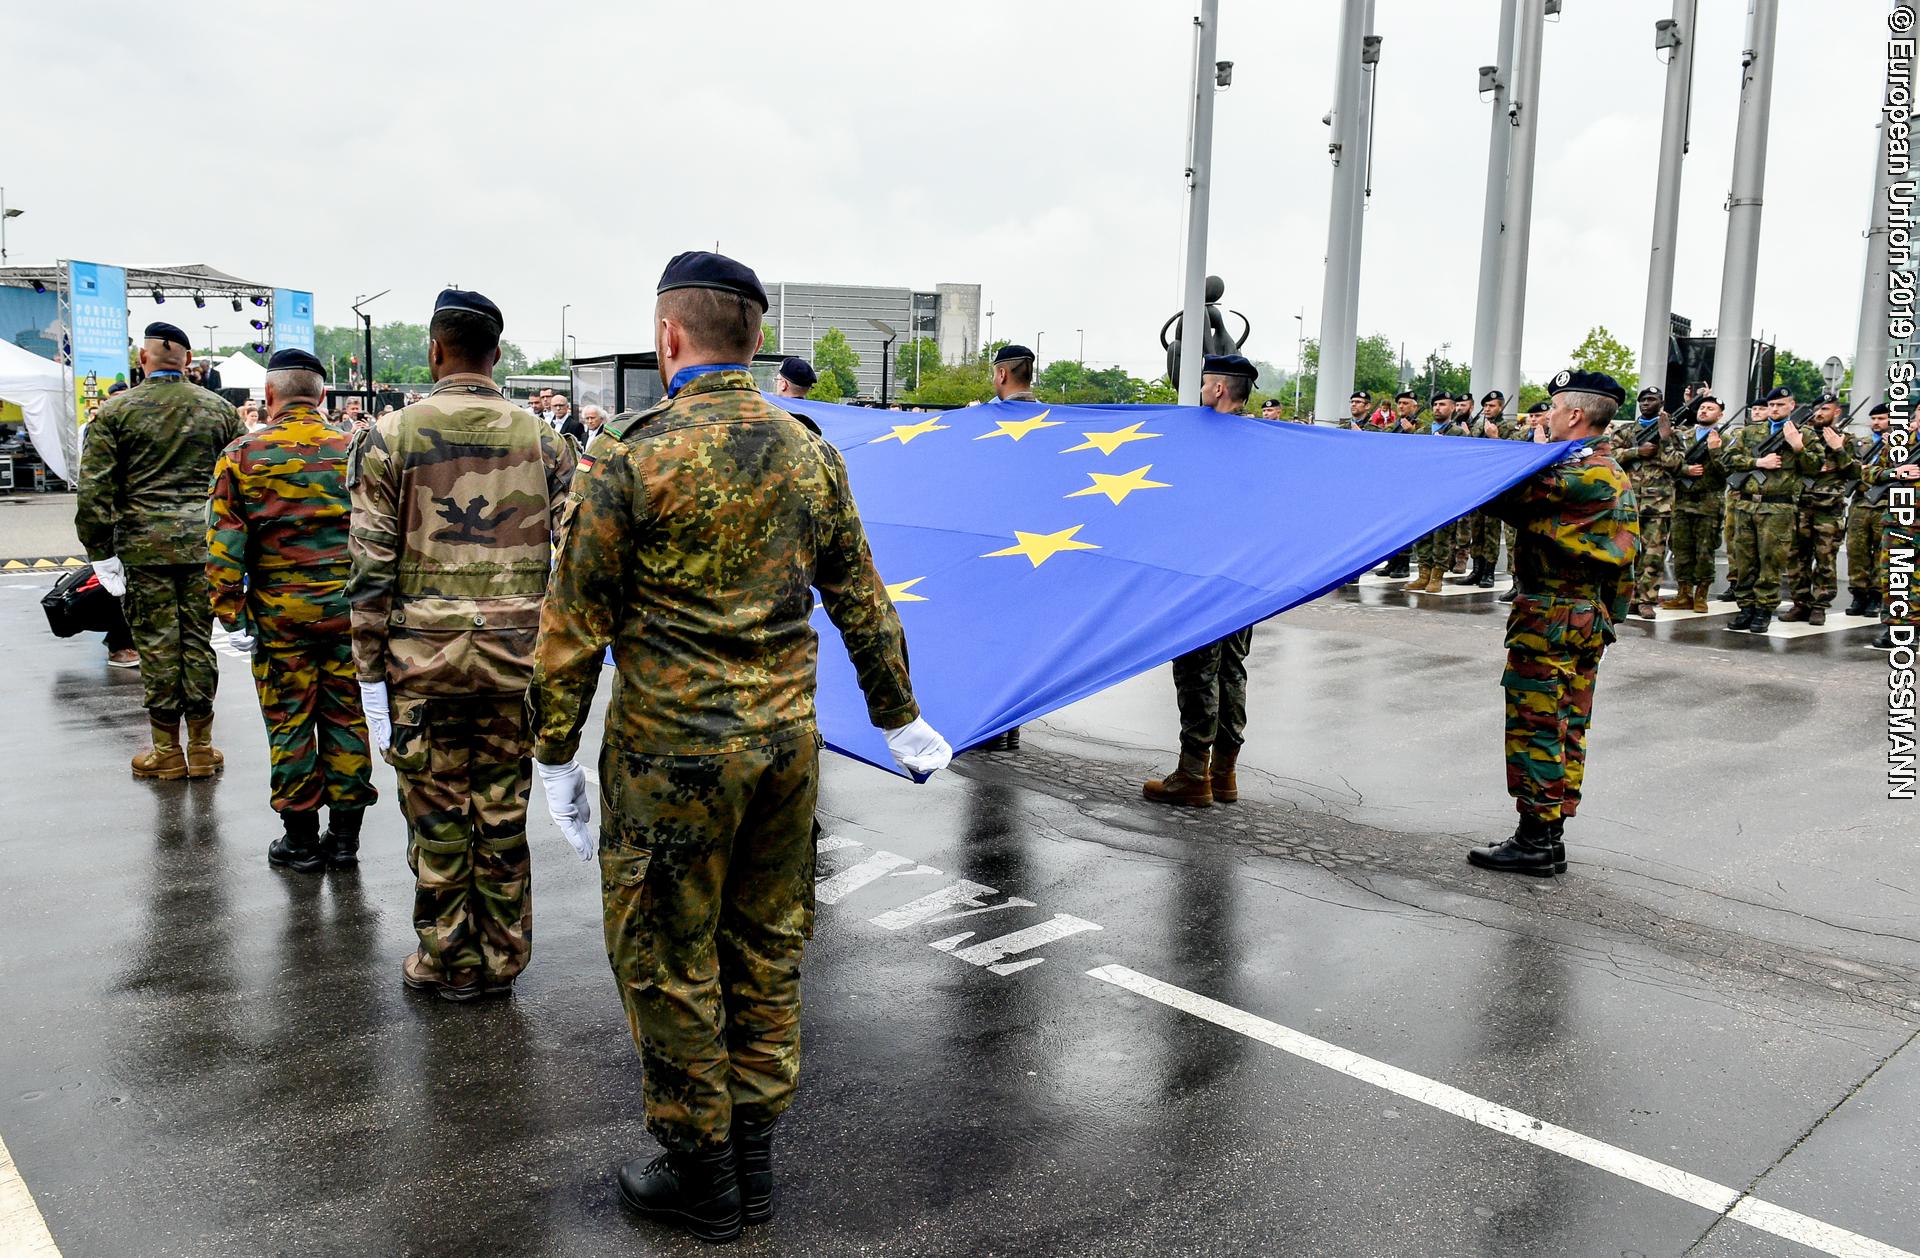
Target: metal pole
(1193,320)
(1733,350)
(1334,381)
(1359,190)
(563,328)
(1657,330)
(1871,350)
(1299,356)
(1524,113)
(1486,306)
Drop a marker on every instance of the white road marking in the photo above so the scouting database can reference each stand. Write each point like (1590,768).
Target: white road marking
(834,842)
(991,953)
(1720,1199)
(853,877)
(927,906)
(23,1232)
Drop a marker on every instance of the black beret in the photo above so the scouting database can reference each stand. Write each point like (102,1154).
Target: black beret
(167,332)
(700,269)
(1759,401)
(1704,398)
(1587,382)
(1827,398)
(1494,394)
(1648,392)
(120,386)
(1539,408)
(1359,396)
(461,299)
(799,371)
(1880,409)
(1780,393)
(295,360)
(1406,395)
(1012,353)
(1229,365)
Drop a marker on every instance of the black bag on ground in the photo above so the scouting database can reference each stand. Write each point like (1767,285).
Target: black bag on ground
(78,603)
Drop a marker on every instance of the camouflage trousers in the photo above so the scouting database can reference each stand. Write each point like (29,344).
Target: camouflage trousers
(1210,685)
(1759,544)
(1654,527)
(1553,660)
(465,770)
(706,884)
(316,737)
(170,610)
(1864,524)
(1483,538)
(1695,541)
(1811,565)
(1513,542)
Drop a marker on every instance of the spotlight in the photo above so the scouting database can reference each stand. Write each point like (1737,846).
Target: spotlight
(159,299)
(38,287)
(258,325)
(259,301)
(236,305)
(258,347)
(199,302)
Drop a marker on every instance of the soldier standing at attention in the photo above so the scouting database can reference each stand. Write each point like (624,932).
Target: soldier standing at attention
(796,377)
(1811,579)
(1698,504)
(1765,464)
(278,565)
(1434,553)
(1863,517)
(696,539)
(455,502)
(1210,682)
(1012,382)
(1357,405)
(1579,527)
(142,516)
(1650,452)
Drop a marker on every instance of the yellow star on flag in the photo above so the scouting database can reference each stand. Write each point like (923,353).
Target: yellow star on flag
(1018,428)
(1037,548)
(898,593)
(1108,442)
(1116,488)
(904,433)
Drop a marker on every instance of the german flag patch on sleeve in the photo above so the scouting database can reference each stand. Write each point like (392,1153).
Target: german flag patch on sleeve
(584,466)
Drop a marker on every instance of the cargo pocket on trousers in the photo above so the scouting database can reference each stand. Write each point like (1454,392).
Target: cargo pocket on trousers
(624,917)
(408,751)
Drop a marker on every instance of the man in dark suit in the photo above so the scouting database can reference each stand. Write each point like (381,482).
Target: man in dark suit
(566,422)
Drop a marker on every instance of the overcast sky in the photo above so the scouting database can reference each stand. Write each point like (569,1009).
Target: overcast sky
(561,153)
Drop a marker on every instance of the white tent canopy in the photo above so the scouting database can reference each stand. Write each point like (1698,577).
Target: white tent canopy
(38,386)
(237,371)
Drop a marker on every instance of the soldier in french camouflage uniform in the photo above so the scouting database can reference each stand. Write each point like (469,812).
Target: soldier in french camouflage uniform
(697,531)
(1579,532)
(1210,682)
(1821,522)
(1864,516)
(1481,529)
(278,565)
(142,517)
(1434,554)
(1765,462)
(1649,450)
(1699,504)
(455,502)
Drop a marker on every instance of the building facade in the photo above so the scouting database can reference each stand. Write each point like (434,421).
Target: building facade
(950,314)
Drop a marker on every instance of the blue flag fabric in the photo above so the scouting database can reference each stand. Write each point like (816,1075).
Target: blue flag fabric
(1039,554)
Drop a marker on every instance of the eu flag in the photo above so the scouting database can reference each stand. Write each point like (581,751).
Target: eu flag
(1039,554)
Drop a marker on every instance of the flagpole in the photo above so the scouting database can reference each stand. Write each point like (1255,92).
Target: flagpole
(1733,350)
(1193,321)
(1676,35)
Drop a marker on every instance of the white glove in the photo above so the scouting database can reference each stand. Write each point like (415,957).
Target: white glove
(566,787)
(373,703)
(112,574)
(919,749)
(241,640)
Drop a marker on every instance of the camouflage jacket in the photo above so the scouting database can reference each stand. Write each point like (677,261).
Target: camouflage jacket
(1653,474)
(1748,482)
(697,531)
(144,468)
(456,499)
(1578,532)
(1704,494)
(277,531)
(1836,471)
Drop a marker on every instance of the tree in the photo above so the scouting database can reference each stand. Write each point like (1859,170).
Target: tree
(1376,369)
(913,360)
(832,356)
(555,366)
(1602,351)
(954,385)
(826,388)
(769,337)
(399,353)
(1442,374)
(1798,374)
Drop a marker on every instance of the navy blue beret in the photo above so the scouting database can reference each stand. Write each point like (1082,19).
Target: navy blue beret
(167,332)
(1011,353)
(1406,395)
(1229,365)
(1358,395)
(295,360)
(1780,394)
(799,371)
(1826,399)
(1880,409)
(461,299)
(700,269)
(1704,398)
(1539,408)
(1587,382)
(1495,395)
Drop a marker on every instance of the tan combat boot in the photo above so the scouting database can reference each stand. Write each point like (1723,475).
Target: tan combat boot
(1186,785)
(1226,788)
(1436,579)
(203,758)
(1681,601)
(1419,581)
(1699,598)
(163,760)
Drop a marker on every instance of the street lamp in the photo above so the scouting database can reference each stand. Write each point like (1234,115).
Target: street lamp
(1082,359)
(1299,358)
(6,213)
(563,328)
(209,327)
(1036,352)
(366,320)
(886,353)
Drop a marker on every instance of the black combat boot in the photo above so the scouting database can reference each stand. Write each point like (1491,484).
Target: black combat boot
(341,842)
(697,1191)
(1885,641)
(1530,851)
(753,1145)
(1860,603)
(1511,592)
(1744,620)
(1762,618)
(1483,575)
(298,848)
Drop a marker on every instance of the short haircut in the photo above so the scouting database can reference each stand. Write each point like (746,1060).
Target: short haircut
(166,355)
(1019,370)
(715,321)
(1598,407)
(465,334)
(293,384)
(1239,388)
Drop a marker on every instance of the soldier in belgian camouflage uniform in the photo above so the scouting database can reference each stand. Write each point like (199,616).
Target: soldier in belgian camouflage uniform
(1649,450)
(1579,532)
(697,531)
(1821,520)
(1210,682)
(1864,516)
(1699,503)
(278,565)
(455,502)
(1765,492)
(142,518)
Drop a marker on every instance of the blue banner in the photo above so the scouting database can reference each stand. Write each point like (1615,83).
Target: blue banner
(292,319)
(98,302)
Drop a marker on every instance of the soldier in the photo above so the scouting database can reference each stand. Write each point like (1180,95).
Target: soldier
(1434,553)
(278,565)
(796,377)
(1863,517)
(1012,382)
(697,535)
(1579,527)
(1766,463)
(1481,529)
(1522,428)
(1699,493)
(455,501)
(1821,518)
(1756,410)
(1210,682)
(1357,405)
(1650,452)
(141,515)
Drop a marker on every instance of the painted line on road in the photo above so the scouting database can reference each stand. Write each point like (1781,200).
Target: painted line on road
(1719,1198)
(23,1231)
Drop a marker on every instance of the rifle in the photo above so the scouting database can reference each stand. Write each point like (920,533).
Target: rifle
(1698,451)
(1772,445)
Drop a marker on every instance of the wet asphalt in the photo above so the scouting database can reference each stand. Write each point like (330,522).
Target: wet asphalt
(203,1056)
